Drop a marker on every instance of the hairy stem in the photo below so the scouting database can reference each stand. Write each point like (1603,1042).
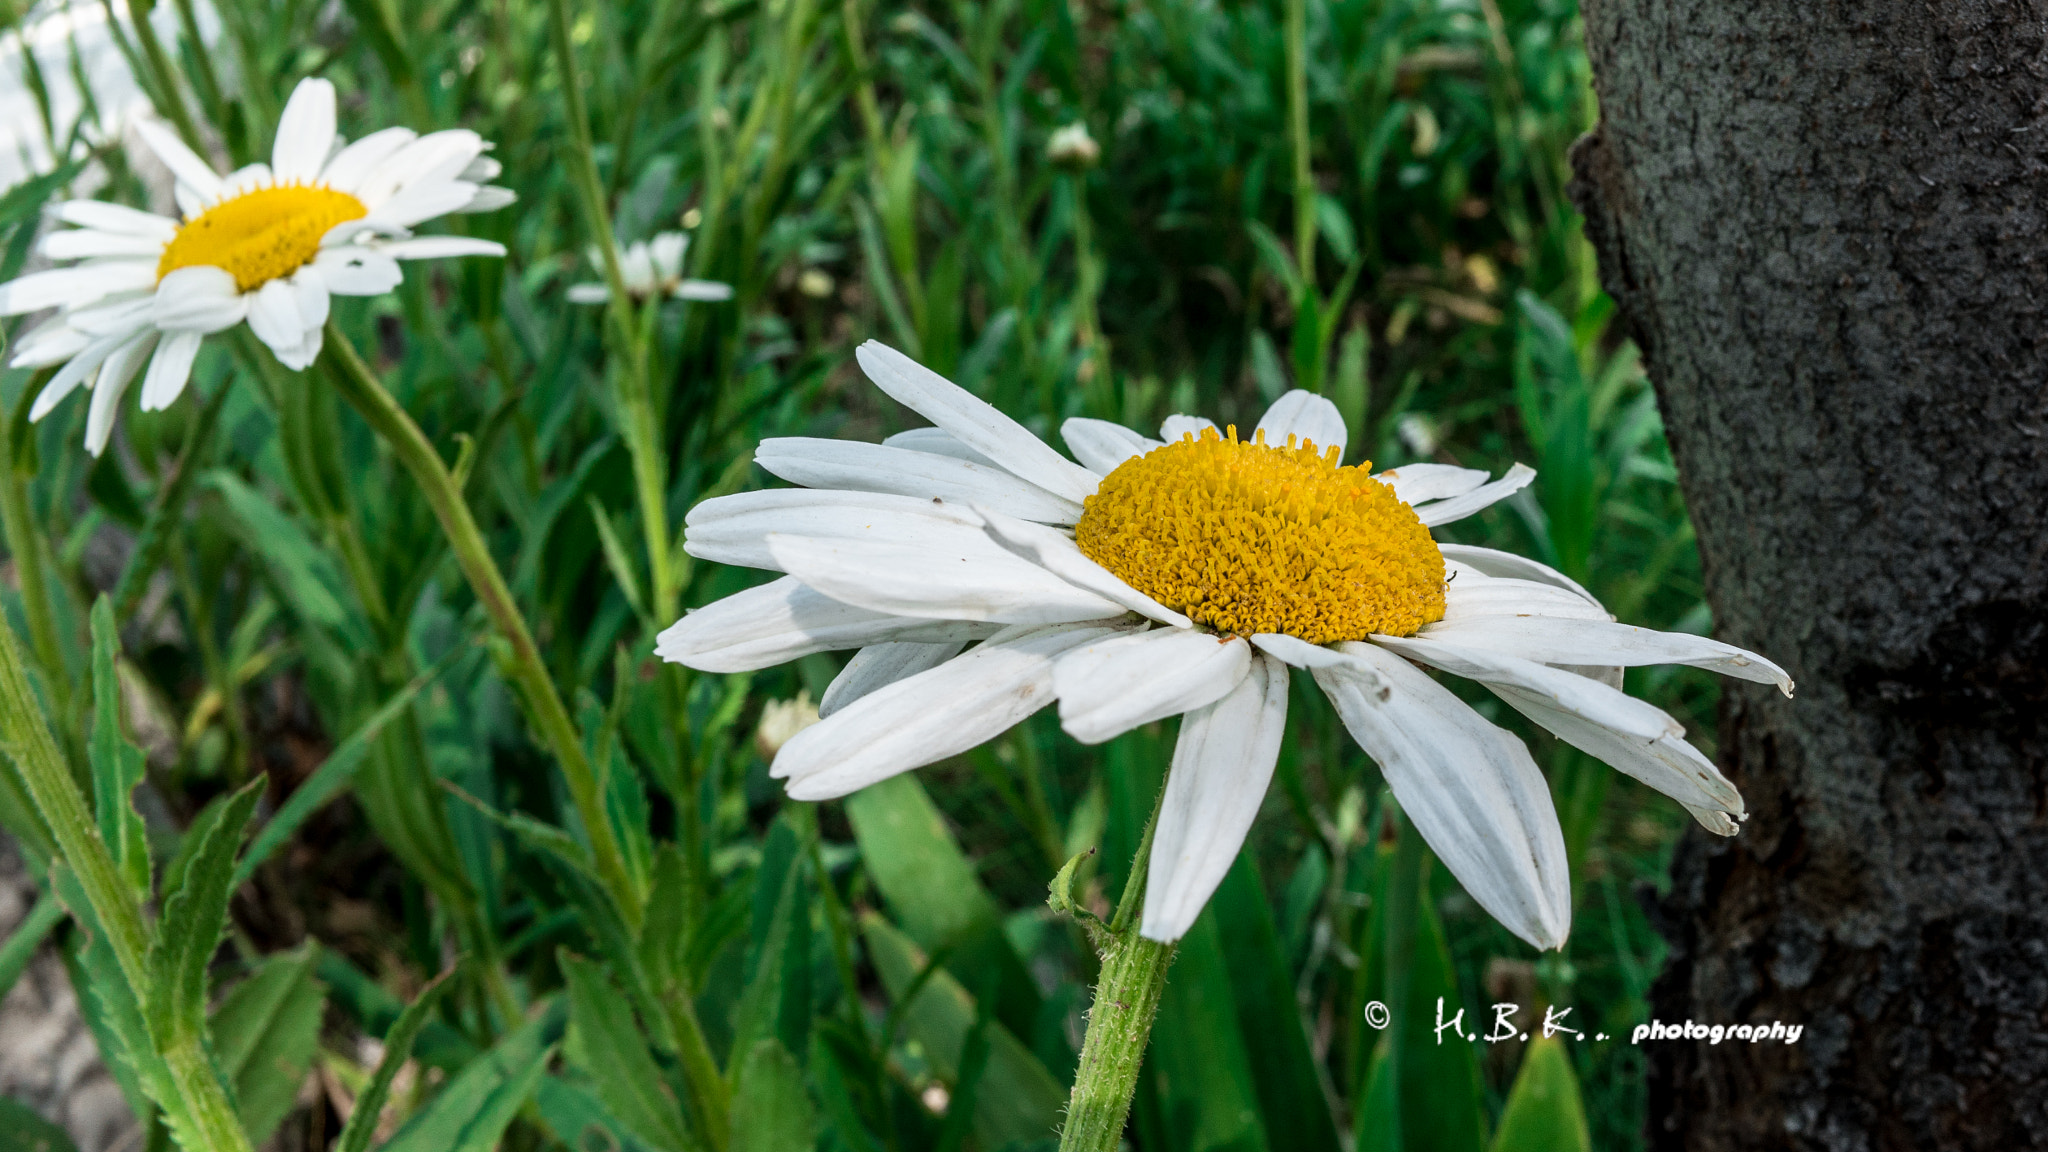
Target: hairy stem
(1120,1021)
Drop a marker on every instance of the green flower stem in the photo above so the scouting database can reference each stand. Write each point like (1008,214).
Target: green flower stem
(1120,1021)
(25,546)
(391,422)
(636,401)
(199,1104)
(1119,1027)
(1297,126)
(165,75)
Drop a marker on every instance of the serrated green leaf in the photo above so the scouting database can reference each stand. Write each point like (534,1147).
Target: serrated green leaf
(572,1111)
(361,1127)
(607,1044)
(307,579)
(472,1111)
(1018,1098)
(111,1009)
(195,912)
(617,558)
(117,764)
(777,997)
(772,1111)
(264,1034)
(23,1129)
(1544,1112)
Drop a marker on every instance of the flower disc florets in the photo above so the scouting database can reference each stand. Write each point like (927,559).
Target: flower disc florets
(262,235)
(1247,537)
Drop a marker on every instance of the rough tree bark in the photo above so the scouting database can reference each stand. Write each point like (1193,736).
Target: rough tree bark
(1826,222)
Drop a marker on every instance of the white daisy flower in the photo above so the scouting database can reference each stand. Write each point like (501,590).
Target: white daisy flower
(269,244)
(1188,575)
(651,269)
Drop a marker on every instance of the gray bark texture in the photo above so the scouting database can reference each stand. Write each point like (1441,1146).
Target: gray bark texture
(1826,223)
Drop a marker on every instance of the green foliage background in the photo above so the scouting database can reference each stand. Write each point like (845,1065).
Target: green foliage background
(880,973)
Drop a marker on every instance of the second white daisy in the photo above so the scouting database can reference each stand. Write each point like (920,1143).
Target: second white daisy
(268,244)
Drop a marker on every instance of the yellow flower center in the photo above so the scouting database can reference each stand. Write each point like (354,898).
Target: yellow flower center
(260,235)
(1246,538)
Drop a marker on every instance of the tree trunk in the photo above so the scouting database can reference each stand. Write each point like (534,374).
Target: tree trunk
(1826,223)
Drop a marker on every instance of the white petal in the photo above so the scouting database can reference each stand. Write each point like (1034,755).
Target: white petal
(353,164)
(879,665)
(440,247)
(936,440)
(1557,688)
(1178,426)
(169,369)
(667,253)
(420,203)
(974,422)
(481,170)
(1548,640)
(589,294)
(200,298)
(1459,507)
(76,372)
(1471,597)
(636,266)
(274,318)
(1668,764)
(184,163)
(953,578)
(1415,483)
(365,230)
(354,270)
(82,243)
(822,463)
(709,291)
(1101,446)
(1112,686)
(74,287)
(436,158)
(117,218)
(1507,565)
(783,620)
(1470,789)
(190,203)
(52,342)
(1298,653)
(1719,823)
(1057,553)
(111,318)
(1307,417)
(1222,765)
(305,133)
(930,716)
(115,376)
(490,198)
(734,529)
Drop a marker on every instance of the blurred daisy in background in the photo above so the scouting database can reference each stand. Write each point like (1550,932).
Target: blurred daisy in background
(651,268)
(268,244)
(1189,575)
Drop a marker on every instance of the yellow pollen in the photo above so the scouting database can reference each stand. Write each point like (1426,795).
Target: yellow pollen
(1246,537)
(260,235)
